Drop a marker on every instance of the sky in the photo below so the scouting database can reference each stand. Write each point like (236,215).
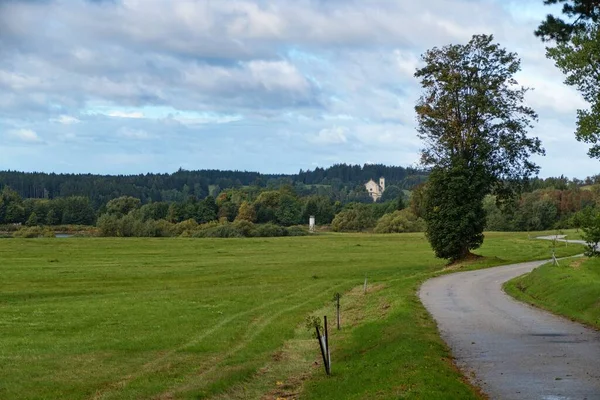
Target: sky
(136,86)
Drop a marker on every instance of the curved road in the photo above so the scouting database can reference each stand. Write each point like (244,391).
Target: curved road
(507,348)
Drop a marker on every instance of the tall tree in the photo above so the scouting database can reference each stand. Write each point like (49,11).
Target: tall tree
(580,15)
(577,54)
(474,123)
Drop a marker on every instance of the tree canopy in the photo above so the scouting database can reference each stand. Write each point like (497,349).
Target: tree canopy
(474,122)
(577,54)
(580,14)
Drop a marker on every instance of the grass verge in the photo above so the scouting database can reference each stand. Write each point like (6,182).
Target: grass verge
(571,289)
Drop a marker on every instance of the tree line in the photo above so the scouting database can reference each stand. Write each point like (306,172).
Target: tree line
(340,182)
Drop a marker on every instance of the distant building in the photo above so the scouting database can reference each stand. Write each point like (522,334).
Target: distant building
(376,190)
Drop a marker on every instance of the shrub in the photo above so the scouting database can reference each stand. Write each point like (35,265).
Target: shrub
(246,228)
(270,230)
(297,230)
(356,218)
(220,231)
(400,221)
(108,225)
(186,228)
(34,232)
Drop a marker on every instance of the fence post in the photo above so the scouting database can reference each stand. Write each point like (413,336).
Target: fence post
(337,297)
(325,362)
(327,346)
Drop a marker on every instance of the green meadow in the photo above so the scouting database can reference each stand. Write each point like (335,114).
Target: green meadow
(115,318)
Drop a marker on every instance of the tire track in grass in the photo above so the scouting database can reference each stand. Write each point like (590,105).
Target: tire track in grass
(156,363)
(254,329)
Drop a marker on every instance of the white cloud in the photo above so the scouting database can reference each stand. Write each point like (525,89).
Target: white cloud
(334,135)
(336,75)
(25,135)
(124,114)
(66,120)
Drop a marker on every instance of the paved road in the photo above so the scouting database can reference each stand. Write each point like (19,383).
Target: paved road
(509,349)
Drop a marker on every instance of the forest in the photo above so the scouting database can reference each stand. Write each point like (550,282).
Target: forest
(236,203)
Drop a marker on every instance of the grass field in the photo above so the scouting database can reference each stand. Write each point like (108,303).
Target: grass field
(571,289)
(103,318)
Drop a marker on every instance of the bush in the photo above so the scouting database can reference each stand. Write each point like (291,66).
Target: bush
(108,225)
(34,232)
(270,230)
(400,221)
(297,230)
(185,228)
(221,231)
(246,228)
(356,218)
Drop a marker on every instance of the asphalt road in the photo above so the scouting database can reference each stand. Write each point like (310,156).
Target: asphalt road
(507,348)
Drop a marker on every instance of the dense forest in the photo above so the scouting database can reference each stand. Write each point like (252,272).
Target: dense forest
(339,182)
(231,203)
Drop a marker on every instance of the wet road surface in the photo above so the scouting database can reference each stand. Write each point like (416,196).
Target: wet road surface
(509,349)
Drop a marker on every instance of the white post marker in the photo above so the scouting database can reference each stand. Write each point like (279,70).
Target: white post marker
(311,223)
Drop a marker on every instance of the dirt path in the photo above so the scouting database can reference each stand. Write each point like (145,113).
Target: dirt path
(509,349)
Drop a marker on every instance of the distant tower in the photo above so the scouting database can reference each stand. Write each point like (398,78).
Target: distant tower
(311,223)
(382,184)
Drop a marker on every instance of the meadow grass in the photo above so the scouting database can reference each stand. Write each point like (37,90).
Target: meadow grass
(571,289)
(108,318)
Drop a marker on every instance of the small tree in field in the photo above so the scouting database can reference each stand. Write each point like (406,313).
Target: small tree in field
(473,120)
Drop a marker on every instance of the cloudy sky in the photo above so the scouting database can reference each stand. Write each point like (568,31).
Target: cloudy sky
(133,86)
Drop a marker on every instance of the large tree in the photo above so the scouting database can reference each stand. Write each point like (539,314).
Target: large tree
(474,121)
(580,15)
(576,52)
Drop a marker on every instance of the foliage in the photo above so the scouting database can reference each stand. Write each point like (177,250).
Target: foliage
(270,230)
(337,182)
(579,60)
(297,230)
(399,222)
(591,232)
(122,205)
(288,211)
(473,120)
(246,212)
(355,218)
(454,211)
(311,323)
(580,13)
(34,232)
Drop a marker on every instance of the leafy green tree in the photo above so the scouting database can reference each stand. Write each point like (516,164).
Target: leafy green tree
(154,211)
(53,218)
(228,210)
(400,221)
(473,120)
(355,218)
(266,206)
(32,220)
(579,60)
(591,231)
(577,55)
(246,212)
(175,213)
(11,207)
(391,192)
(122,205)
(581,15)
(79,211)
(288,212)
(207,210)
